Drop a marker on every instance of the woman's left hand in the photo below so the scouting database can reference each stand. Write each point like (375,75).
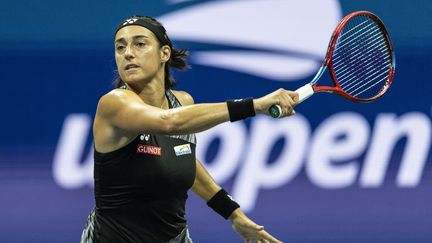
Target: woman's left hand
(249,230)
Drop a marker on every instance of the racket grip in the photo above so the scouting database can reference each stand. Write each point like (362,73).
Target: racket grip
(275,111)
(304,92)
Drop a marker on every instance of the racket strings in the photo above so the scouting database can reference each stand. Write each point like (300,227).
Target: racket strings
(355,34)
(370,55)
(355,27)
(338,58)
(347,76)
(361,59)
(363,89)
(376,77)
(358,54)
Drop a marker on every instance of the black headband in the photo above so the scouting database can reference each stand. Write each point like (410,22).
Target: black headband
(158,32)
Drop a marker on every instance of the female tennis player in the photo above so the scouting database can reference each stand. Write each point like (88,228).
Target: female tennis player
(144,145)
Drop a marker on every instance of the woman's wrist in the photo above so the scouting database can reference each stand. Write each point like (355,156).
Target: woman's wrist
(235,214)
(223,204)
(240,109)
(257,105)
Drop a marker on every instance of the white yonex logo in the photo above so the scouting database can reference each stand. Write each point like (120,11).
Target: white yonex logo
(130,21)
(230,197)
(145,137)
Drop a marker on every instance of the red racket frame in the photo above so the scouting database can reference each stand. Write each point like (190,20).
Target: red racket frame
(329,63)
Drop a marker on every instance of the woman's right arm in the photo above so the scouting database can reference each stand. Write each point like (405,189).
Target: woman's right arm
(125,110)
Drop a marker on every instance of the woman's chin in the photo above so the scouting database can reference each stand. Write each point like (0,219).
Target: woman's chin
(131,79)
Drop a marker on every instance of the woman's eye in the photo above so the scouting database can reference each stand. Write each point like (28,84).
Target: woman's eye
(140,44)
(120,48)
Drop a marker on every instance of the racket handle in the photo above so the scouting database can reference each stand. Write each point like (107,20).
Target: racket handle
(304,92)
(275,111)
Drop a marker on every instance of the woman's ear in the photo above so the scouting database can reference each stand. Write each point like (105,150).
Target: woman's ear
(165,53)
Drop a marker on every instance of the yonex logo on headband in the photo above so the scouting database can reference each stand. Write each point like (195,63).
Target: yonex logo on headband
(130,21)
(159,32)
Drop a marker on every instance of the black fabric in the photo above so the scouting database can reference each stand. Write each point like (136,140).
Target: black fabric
(240,109)
(223,204)
(160,34)
(141,197)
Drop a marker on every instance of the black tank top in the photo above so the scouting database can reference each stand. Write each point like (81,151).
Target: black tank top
(141,188)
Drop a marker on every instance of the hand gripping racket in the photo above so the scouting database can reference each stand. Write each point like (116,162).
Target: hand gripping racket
(360,59)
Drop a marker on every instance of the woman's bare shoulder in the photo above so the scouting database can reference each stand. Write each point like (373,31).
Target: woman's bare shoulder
(116,99)
(184,97)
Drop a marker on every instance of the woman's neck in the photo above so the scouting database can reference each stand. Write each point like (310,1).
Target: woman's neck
(152,93)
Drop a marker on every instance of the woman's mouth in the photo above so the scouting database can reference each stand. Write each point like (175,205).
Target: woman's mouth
(130,66)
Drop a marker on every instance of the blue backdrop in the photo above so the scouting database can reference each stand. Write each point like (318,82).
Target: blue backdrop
(335,172)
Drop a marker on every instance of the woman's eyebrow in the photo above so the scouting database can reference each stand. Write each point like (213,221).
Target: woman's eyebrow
(133,37)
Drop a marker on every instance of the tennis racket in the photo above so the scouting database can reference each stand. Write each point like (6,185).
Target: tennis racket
(360,60)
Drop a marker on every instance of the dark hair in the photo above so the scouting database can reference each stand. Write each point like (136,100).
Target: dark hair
(177,58)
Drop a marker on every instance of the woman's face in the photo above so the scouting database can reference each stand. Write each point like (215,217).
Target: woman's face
(138,54)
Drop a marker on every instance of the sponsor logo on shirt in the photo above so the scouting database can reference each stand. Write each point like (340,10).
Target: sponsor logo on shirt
(148,149)
(182,149)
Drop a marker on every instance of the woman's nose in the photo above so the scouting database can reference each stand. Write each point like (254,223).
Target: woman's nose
(129,52)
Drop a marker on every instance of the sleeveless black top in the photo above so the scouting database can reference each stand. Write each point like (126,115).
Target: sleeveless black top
(141,188)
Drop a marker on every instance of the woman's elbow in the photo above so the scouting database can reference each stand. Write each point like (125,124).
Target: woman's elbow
(170,124)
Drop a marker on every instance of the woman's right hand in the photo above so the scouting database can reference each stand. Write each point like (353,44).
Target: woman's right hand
(286,99)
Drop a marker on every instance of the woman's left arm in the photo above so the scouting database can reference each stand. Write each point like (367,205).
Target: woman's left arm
(206,187)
